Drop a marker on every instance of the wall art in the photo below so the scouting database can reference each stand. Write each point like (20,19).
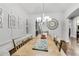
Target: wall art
(52,24)
(1,22)
(0,11)
(11,21)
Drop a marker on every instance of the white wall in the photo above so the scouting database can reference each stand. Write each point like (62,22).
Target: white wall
(5,32)
(66,30)
(66,24)
(58,16)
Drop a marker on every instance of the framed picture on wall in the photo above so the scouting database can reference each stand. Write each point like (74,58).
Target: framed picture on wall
(0,11)
(1,22)
(11,21)
(26,25)
(19,23)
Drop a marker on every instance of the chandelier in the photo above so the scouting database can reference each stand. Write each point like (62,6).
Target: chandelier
(43,18)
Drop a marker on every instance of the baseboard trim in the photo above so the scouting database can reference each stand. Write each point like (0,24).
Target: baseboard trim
(73,38)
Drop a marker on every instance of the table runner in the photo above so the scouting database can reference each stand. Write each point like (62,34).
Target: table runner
(41,45)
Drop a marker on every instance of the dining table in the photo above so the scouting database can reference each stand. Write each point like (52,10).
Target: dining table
(26,50)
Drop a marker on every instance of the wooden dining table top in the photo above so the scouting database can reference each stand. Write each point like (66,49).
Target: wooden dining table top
(27,50)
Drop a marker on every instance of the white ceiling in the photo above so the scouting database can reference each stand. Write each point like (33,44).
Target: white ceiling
(74,14)
(36,8)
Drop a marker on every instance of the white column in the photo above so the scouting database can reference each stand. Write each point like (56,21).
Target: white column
(66,30)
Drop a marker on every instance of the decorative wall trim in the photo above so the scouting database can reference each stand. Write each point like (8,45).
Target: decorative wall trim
(5,43)
(10,41)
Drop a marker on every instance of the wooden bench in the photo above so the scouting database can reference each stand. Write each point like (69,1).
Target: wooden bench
(13,50)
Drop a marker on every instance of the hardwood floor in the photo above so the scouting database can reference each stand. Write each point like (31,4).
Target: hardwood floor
(75,47)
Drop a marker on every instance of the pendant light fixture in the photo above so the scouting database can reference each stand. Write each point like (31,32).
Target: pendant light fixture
(43,12)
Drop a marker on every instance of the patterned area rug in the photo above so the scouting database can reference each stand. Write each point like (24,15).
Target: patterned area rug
(41,45)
